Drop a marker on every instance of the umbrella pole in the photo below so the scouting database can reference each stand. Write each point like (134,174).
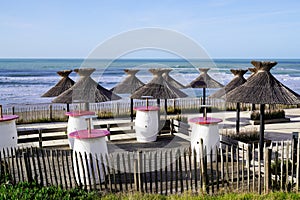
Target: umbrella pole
(238,110)
(68,107)
(253,107)
(204,97)
(131,109)
(158,113)
(166,106)
(262,127)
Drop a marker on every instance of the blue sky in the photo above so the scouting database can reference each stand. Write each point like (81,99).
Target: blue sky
(225,28)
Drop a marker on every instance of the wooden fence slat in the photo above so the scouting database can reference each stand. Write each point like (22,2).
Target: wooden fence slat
(243,168)
(77,178)
(227,167)
(129,169)
(119,172)
(222,167)
(22,166)
(166,172)
(140,168)
(87,167)
(176,172)
(83,171)
(211,171)
(185,169)
(98,172)
(105,173)
(156,172)
(135,174)
(195,168)
(67,155)
(17,157)
(53,153)
(145,172)
(190,167)
(232,166)
(180,172)
(93,177)
(259,169)
(13,154)
(217,168)
(44,166)
(287,167)
(57,153)
(238,168)
(253,168)
(281,165)
(125,172)
(150,171)
(298,166)
(248,168)
(171,172)
(40,172)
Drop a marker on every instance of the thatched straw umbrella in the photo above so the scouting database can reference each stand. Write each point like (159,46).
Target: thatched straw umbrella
(64,84)
(86,90)
(253,71)
(234,83)
(170,80)
(158,88)
(130,84)
(204,81)
(263,88)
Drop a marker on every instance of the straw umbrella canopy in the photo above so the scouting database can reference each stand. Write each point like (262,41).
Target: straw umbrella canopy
(170,80)
(204,81)
(158,88)
(86,90)
(263,88)
(234,83)
(64,84)
(253,70)
(130,84)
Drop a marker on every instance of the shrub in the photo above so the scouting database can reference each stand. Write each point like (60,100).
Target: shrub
(246,135)
(271,114)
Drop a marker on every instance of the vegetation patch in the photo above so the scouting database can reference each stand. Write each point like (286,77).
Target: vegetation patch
(246,135)
(269,114)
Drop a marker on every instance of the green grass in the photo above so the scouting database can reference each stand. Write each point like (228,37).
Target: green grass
(27,190)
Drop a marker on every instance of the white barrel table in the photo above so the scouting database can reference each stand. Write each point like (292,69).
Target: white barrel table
(146,123)
(94,143)
(8,131)
(78,121)
(205,128)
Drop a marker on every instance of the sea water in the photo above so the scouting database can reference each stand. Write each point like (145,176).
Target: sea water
(23,81)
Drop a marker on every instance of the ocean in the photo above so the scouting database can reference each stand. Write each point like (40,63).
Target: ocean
(23,81)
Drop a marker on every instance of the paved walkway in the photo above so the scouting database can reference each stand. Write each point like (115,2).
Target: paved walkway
(275,132)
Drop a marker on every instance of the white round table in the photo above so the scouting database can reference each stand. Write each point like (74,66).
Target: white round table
(206,129)
(146,123)
(8,131)
(94,143)
(78,121)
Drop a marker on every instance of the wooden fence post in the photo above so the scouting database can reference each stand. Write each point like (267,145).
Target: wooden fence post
(50,112)
(40,138)
(140,168)
(27,166)
(298,167)
(267,157)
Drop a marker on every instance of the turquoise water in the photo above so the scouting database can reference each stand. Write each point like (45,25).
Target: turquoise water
(23,81)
